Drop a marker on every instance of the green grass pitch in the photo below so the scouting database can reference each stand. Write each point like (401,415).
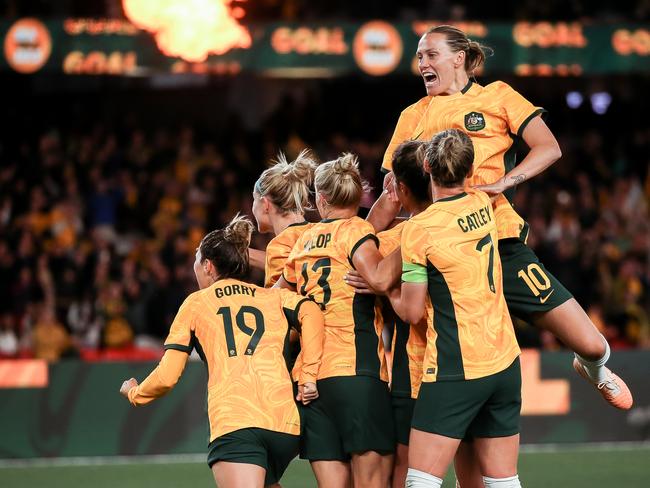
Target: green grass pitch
(629,468)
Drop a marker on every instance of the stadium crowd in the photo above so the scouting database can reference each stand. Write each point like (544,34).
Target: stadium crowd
(100,221)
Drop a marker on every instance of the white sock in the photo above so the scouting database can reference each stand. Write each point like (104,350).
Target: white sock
(512,482)
(596,369)
(420,479)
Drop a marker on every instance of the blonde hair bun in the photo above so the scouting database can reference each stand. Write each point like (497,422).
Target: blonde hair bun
(287,184)
(340,181)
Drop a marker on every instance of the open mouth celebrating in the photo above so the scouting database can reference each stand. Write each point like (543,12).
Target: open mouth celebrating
(429,78)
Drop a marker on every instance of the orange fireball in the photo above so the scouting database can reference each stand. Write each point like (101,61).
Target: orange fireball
(189,29)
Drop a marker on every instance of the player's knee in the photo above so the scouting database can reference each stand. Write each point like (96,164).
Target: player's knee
(598,347)
(595,348)
(420,479)
(510,482)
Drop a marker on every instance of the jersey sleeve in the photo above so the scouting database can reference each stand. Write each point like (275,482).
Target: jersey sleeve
(389,240)
(406,124)
(161,380)
(415,242)
(356,233)
(180,333)
(305,316)
(291,303)
(518,111)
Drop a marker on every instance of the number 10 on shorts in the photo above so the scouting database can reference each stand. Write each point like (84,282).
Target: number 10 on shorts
(535,278)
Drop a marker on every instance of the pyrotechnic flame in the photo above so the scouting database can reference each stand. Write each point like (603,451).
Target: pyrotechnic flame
(189,29)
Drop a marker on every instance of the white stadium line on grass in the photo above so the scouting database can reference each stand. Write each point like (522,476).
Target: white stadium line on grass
(202,458)
(104,460)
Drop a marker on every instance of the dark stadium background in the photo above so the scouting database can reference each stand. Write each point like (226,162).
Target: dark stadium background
(111,154)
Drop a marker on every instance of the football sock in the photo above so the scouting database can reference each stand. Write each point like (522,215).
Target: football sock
(511,482)
(420,479)
(596,369)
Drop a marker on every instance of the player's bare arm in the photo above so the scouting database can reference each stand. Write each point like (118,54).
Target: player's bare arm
(380,274)
(391,263)
(408,301)
(544,151)
(384,210)
(256,258)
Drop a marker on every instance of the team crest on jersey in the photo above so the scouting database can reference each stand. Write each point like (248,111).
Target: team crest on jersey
(474,121)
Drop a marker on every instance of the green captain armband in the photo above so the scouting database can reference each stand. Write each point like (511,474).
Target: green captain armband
(414,273)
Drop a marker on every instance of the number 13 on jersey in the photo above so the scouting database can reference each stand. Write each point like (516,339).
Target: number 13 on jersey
(324,265)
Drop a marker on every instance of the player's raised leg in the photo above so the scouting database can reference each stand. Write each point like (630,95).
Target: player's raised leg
(570,324)
(534,294)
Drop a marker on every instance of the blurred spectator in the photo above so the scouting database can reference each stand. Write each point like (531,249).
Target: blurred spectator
(50,340)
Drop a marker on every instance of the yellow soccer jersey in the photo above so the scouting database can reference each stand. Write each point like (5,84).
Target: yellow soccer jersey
(452,247)
(353,323)
(405,129)
(277,251)
(389,239)
(240,331)
(409,342)
(494,117)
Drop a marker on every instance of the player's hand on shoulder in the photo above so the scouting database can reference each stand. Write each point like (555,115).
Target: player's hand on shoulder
(356,281)
(127,385)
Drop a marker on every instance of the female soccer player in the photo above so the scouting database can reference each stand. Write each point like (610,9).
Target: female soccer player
(280,198)
(494,116)
(351,420)
(409,342)
(471,384)
(240,330)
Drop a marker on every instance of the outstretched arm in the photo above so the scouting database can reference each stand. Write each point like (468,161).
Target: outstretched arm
(160,381)
(544,151)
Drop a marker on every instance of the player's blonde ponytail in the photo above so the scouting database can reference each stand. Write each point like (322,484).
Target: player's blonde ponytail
(286,184)
(457,40)
(449,157)
(340,182)
(227,248)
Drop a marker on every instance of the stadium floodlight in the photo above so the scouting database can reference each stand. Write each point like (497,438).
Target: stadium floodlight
(574,99)
(600,102)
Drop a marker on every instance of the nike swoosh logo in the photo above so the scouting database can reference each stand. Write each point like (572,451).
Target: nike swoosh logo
(543,300)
